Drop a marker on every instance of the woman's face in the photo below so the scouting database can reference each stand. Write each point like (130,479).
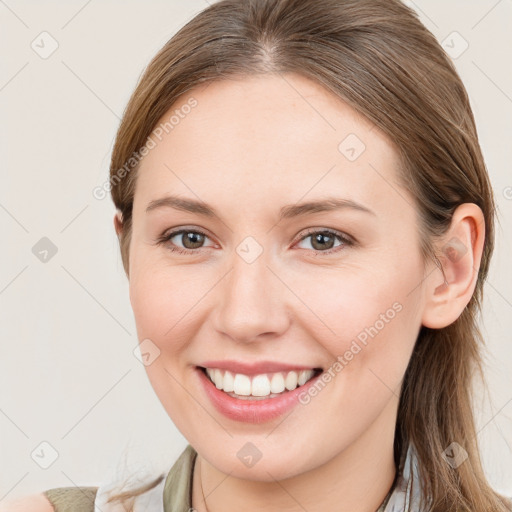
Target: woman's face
(266,282)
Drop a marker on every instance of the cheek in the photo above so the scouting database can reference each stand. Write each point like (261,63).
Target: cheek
(347,302)
(166,303)
(369,353)
(367,321)
(163,306)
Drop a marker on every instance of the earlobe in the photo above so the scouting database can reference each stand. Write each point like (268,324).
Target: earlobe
(118,222)
(450,287)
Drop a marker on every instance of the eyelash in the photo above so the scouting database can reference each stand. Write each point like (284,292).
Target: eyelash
(347,241)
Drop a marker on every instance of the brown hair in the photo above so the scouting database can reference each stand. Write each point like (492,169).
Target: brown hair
(379,58)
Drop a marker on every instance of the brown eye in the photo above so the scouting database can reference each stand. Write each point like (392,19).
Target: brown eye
(324,241)
(192,239)
(186,241)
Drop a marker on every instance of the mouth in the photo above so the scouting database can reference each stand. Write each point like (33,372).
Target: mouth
(257,398)
(262,386)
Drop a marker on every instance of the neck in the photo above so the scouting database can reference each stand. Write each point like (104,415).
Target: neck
(356,479)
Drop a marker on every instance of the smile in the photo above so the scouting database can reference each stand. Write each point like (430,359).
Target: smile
(258,398)
(265,385)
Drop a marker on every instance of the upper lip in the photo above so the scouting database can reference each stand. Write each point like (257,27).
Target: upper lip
(255,368)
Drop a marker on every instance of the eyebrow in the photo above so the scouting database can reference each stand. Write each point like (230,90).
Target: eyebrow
(286,212)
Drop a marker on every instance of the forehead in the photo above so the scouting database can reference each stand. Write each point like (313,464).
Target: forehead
(266,135)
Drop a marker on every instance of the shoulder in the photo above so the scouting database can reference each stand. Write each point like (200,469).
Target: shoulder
(32,503)
(72,499)
(60,499)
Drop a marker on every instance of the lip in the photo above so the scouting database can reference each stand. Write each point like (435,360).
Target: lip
(255,368)
(255,411)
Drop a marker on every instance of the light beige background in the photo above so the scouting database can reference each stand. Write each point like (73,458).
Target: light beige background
(68,374)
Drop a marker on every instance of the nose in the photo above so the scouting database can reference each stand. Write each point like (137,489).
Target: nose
(251,302)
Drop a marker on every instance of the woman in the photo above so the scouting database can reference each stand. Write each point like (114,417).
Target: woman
(306,223)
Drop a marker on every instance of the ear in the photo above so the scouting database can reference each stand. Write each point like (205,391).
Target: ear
(450,288)
(118,222)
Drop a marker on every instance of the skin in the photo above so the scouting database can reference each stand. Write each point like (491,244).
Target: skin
(250,147)
(31,503)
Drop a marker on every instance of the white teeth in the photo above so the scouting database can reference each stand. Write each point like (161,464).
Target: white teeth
(228,382)
(263,385)
(291,381)
(242,385)
(217,378)
(260,386)
(302,379)
(277,383)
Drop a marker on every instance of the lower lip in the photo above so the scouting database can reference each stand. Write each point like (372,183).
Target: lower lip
(252,411)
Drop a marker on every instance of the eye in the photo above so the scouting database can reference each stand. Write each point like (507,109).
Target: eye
(191,239)
(322,241)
